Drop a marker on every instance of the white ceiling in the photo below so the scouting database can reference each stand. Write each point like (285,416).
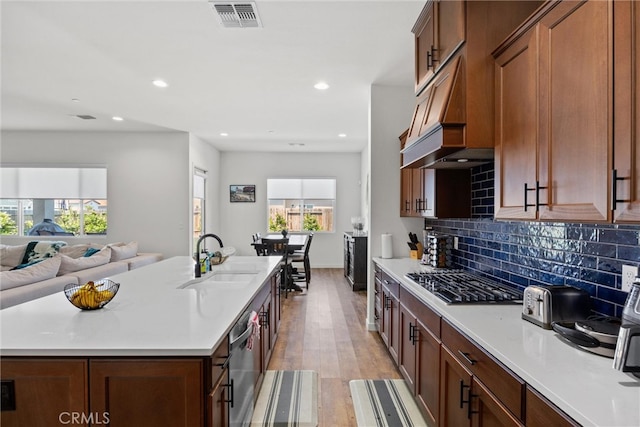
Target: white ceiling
(254,84)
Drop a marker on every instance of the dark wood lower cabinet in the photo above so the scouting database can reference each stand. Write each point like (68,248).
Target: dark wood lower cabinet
(487,410)
(454,381)
(390,332)
(148,392)
(132,391)
(217,407)
(45,392)
(428,374)
(455,384)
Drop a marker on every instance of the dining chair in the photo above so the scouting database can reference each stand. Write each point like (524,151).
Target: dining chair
(280,247)
(302,256)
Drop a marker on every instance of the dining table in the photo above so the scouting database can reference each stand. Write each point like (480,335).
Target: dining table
(296,241)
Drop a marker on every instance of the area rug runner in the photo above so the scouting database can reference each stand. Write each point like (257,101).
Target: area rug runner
(287,398)
(384,403)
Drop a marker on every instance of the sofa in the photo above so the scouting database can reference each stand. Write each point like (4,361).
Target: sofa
(40,268)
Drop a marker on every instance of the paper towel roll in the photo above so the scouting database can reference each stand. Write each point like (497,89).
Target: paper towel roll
(387,246)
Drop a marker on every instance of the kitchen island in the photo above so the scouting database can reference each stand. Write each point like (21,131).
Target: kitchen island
(583,385)
(163,325)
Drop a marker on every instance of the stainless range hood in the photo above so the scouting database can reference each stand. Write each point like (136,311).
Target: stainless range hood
(439,136)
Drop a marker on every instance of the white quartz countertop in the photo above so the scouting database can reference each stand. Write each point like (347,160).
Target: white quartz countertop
(153,313)
(582,384)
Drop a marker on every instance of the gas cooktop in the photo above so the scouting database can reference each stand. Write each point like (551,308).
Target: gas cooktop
(460,287)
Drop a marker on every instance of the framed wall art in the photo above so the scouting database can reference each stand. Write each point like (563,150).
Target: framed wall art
(242,193)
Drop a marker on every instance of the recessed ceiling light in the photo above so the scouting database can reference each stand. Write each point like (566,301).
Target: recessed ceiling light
(160,83)
(117,118)
(75,100)
(224,134)
(321,86)
(296,144)
(342,135)
(463,160)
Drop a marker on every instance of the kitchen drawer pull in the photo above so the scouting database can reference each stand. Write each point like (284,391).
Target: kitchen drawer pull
(224,364)
(466,357)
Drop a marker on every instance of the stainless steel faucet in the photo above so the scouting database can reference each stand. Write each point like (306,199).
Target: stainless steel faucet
(204,236)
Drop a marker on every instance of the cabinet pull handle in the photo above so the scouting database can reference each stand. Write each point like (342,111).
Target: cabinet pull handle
(230,386)
(264,319)
(431,58)
(537,189)
(462,387)
(413,333)
(466,357)
(470,411)
(407,205)
(387,302)
(614,190)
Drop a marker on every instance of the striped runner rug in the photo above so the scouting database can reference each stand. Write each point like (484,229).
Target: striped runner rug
(384,403)
(287,398)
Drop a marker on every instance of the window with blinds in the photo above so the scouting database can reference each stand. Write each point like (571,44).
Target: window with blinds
(301,204)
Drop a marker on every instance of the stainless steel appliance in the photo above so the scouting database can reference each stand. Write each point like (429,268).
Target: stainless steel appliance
(461,287)
(543,305)
(596,334)
(627,354)
(437,250)
(241,372)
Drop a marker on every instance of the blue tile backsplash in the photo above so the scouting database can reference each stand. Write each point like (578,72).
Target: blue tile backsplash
(517,253)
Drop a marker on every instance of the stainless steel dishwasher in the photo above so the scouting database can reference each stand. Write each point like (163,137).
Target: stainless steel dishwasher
(241,373)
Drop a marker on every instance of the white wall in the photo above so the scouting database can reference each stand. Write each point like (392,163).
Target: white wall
(390,112)
(239,221)
(205,157)
(147,177)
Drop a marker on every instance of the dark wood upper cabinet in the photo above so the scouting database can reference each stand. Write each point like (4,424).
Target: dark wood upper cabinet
(626,121)
(454,78)
(439,32)
(567,115)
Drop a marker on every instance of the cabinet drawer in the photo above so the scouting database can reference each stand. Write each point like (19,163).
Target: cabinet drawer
(391,284)
(541,412)
(505,385)
(219,360)
(423,313)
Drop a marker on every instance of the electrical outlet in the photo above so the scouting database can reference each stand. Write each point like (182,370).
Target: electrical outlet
(629,273)
(455,242)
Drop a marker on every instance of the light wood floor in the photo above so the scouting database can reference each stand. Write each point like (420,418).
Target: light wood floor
(325,331)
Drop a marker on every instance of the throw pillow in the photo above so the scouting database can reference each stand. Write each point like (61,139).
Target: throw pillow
(69,265)
(119,253)
(38,272)
(11,256)
(41,250)
(91,251)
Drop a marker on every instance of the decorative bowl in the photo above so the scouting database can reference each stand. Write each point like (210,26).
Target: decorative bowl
(91,295)
(221,256)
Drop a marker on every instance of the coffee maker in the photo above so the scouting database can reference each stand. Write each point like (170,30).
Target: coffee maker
(627,355)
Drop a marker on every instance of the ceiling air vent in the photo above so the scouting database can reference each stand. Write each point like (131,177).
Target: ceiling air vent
(237,14)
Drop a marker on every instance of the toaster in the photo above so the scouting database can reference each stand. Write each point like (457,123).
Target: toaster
(542,304)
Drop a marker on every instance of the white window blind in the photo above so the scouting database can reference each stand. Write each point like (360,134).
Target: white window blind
(307,188)
(53,183)
(198,186)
